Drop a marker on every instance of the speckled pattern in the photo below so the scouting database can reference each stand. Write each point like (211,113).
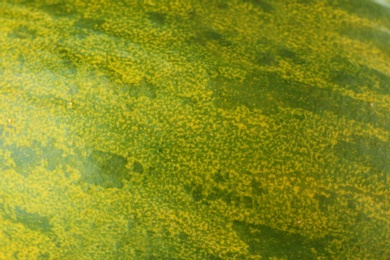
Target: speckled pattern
(194,129)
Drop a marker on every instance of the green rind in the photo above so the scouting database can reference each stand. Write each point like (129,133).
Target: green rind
(194,130)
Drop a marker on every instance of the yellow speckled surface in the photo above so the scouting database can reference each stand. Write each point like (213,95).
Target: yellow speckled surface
(194,129)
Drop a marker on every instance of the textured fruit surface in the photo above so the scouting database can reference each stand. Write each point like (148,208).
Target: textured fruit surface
(194,129)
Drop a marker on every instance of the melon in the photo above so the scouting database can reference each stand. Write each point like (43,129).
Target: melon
(194,129)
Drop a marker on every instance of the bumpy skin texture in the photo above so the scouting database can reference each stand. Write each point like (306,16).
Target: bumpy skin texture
(194,129)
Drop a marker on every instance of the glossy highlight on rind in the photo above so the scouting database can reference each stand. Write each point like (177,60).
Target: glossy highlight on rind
(194,130)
